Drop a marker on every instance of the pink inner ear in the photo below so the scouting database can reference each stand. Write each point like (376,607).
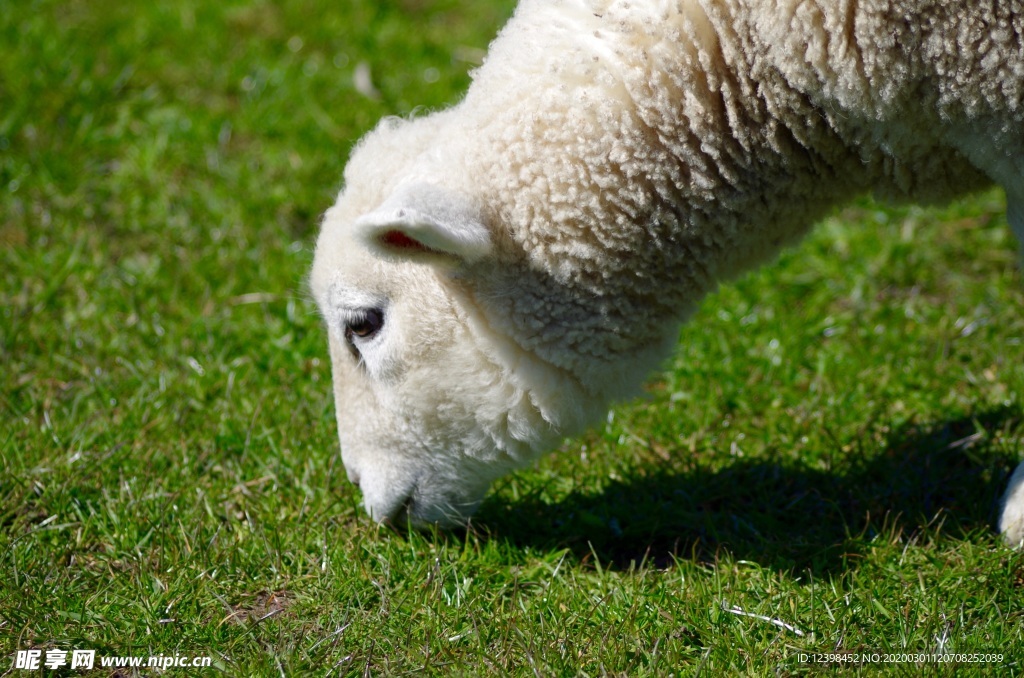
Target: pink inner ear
(401,241)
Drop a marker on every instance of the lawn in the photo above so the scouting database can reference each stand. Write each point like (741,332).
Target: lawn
(815,475)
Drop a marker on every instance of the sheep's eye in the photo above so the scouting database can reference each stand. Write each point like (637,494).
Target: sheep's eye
(367,324)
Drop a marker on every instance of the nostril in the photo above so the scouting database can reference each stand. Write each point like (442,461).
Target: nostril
(353,477)
(404,514)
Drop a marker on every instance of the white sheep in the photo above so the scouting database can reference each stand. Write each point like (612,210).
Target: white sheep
(493,275)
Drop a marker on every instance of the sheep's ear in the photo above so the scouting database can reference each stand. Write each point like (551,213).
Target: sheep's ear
(421,221)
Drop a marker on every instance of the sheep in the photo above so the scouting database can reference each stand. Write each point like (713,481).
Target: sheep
(494,275)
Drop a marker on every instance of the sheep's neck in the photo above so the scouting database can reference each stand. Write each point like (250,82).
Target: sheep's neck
(638,179)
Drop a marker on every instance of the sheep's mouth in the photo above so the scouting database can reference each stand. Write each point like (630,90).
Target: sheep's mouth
(413,513)
(403,517)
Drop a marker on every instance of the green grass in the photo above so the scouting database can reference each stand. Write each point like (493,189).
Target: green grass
(825,450)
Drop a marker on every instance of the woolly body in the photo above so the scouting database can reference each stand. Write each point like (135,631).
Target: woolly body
(535,247)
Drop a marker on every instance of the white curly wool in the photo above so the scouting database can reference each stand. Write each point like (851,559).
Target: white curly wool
(493,275)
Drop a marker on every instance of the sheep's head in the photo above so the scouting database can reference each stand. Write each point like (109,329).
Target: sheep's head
(432,401)
(463,343)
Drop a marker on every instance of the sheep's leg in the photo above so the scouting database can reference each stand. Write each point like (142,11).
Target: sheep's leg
(1011,518)
(1015,215)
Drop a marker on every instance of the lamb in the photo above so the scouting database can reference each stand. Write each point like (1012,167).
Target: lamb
(494,275)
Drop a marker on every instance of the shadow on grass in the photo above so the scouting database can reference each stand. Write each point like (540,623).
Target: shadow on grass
(784,517)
